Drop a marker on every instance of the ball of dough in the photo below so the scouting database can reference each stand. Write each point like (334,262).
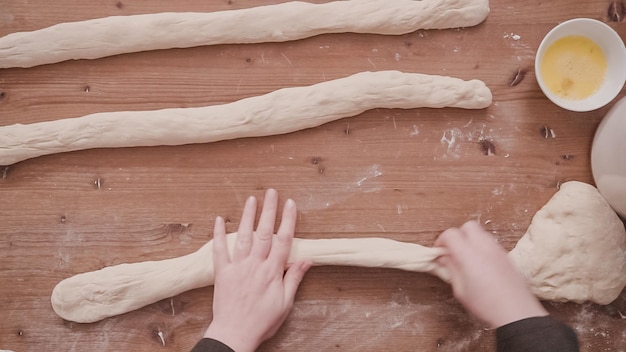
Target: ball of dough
(574,248)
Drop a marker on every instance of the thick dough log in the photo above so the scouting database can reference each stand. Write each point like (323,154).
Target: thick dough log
(108,36)
(92,296)
(282,111)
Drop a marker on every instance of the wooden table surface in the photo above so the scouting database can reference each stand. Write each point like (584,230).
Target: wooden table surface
(400,174)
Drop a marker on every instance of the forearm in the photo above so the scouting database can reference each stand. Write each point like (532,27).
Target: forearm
(539,334)
(210,345)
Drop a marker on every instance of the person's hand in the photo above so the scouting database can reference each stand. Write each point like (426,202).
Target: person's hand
(253,294)
(483,278)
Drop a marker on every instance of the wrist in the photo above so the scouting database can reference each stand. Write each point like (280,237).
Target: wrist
(237,340)
(530,309)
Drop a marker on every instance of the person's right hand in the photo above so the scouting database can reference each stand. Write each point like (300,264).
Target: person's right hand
(483,278)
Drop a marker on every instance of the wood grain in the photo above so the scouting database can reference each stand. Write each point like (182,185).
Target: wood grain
(402,174)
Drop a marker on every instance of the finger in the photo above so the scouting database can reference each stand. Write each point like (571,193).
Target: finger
(444,260)
(452,239)
(442,272)
(478,237)
(471,224)
(448,261)
(262,241)
(474,229)
(293,278)
(221,256)
(246,227)
(284,238)
(449,270)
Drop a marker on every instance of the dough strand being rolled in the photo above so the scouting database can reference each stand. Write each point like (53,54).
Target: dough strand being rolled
(96,38)
(279,112)
(573,250)
(93,296)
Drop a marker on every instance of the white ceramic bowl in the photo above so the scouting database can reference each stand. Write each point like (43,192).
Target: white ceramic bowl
(608,157)
(614,51)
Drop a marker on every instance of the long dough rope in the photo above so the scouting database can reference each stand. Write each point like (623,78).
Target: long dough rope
(282,111)
(552,265)
(108,36)
(92,296)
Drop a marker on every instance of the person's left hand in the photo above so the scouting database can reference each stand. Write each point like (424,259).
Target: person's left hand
(253,294)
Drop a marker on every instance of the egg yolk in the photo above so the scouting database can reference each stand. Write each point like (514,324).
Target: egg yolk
(573,67)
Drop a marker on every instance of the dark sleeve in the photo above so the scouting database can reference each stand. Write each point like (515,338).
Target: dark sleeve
(210,345)
(539,334)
